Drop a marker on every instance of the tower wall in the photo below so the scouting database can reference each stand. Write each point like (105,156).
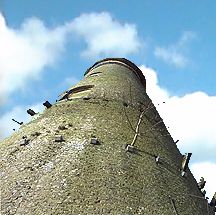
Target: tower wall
(73,176)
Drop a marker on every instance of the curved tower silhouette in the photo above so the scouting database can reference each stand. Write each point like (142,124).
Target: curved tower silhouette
(102,148)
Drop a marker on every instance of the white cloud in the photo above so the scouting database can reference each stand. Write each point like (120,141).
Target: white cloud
(27,50)
(171,56)
(18,113)
(191,120)
(105,36)
(70,81)
(175,54)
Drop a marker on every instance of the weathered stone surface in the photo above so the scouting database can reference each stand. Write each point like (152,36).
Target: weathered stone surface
(74,177)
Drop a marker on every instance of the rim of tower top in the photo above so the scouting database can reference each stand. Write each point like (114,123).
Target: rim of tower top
(121,61)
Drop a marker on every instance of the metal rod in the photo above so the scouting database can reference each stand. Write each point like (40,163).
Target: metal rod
(196,196)
(20,123)
(207,207)
(173,204)
(137,128)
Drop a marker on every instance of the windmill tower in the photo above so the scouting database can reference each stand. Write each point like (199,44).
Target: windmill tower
(101,149)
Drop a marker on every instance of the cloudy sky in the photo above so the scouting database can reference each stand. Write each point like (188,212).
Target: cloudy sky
(46,46)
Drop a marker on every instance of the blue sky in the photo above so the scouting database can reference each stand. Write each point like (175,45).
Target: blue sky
(46,46)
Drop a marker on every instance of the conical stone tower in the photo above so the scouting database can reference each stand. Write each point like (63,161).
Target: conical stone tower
(101,149)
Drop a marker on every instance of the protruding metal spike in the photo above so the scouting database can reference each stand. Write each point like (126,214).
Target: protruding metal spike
(157,159)
(59,138)
(213,202)
(94,140)
(185,161)
(31,112)
(20,123)
(201,183)
(47,104)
